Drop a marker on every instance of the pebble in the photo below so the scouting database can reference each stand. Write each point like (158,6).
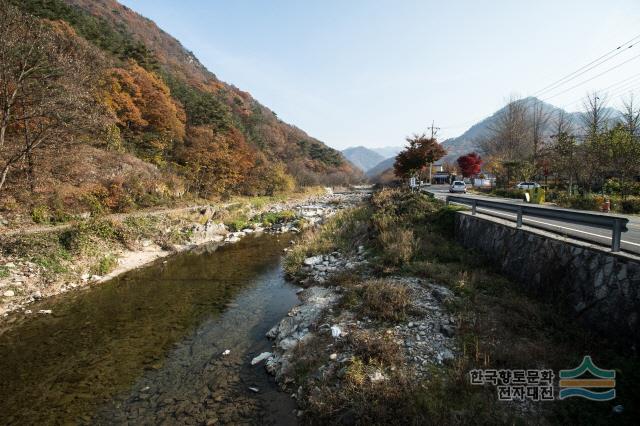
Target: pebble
(9,293)
(253,389)
(226,352)
(260,358)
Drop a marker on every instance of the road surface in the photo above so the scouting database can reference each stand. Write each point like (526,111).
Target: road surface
(630,239)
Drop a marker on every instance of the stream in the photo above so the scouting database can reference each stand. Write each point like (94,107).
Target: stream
(147,347)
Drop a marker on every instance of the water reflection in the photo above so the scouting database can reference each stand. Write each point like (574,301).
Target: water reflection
(162,327)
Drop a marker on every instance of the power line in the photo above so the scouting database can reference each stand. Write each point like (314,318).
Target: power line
(622,83)
(592,78)
(588,67)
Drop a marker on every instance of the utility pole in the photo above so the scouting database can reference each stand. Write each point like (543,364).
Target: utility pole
(434,132)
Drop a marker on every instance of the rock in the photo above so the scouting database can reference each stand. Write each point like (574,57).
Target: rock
(442,294)
(44,311)
(28,311)
(333,357)
(146,243)
(336,331)
(226,352)
(445,356)
(376,376)
(10,265)
(37,295)
(9,293)
(85,277)
(260,358)
(95,277)
(446,330)
(360,249)
(253,389)
(313,260)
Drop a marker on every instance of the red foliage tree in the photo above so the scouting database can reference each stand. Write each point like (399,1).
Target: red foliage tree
(470,164)
(418,155)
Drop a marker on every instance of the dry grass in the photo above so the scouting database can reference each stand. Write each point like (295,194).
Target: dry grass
(385,300)
(375,348)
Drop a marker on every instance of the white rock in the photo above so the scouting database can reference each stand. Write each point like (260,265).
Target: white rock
(226,352)
(333,357)
(260,358)
(377,376)
(44,311)
(256,390)
(28,311)
(313,260)
(9,293)
(85,277)
(336,331)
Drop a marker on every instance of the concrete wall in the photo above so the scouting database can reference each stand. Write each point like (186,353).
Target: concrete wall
(600,288)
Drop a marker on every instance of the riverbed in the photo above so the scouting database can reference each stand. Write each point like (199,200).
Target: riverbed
(149,346)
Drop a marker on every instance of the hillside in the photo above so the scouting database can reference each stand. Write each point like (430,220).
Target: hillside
(362,157)
(381,167)
(178,129)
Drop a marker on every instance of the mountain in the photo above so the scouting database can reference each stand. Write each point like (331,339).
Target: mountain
(363,158)
(380,167)
(388,151)
(468,141)
(161,108)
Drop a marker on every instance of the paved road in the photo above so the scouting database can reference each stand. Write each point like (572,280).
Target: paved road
(630,239)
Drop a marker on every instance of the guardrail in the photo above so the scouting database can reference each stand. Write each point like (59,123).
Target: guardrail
(617,224)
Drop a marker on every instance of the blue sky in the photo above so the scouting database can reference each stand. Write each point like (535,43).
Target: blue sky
(357,72)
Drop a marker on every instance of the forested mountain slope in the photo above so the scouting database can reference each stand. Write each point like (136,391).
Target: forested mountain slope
(167,126)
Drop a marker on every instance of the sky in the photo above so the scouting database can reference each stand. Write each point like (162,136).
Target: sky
(372,72)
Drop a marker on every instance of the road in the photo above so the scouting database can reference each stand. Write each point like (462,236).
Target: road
(630,239)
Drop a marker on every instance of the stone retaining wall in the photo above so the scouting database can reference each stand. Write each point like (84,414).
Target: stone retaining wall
(600,288)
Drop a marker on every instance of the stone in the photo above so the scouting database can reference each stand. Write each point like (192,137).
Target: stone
(37,295)
(333,357)
(446,330)
(260,358)
(9,293)
(313,260)
(44,311)
(336,331)
(85,277)
(10,265)
(226,352)
(254,389)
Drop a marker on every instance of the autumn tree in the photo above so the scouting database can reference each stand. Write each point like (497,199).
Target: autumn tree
(216,162)
(46,90)
(420,152)
(470,164)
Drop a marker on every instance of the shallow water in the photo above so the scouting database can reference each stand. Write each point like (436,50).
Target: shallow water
(146,348)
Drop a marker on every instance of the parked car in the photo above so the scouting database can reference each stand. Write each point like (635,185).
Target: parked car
(458,186)
(528,185)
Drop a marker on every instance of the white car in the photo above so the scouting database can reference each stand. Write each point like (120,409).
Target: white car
(528,185)
(458,186)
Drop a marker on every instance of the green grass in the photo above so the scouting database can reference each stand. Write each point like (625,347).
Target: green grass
(4,271)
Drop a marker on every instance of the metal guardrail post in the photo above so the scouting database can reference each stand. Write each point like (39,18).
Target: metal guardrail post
(519,218)
(473,207)
(616,235)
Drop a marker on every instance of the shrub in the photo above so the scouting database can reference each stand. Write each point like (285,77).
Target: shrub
(4,271)
(41,214)
(509,193)
(385,300)
(631,205)
(105,265)
(374,348)
(398,246)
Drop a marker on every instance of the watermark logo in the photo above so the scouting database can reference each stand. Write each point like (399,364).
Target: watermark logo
(572,385)
(538,385)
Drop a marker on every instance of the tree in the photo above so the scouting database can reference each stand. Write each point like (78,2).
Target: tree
(46,90)
(631,116)
(421,152)
(470,164)
(595,117)
(563,157)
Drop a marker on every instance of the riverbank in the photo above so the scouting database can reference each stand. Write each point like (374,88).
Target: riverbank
(392,337)
(39,263)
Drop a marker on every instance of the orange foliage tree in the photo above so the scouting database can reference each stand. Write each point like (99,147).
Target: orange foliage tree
(216,162)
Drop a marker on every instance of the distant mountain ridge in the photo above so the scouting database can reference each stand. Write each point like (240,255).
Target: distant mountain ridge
(468,141)
(362,157)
